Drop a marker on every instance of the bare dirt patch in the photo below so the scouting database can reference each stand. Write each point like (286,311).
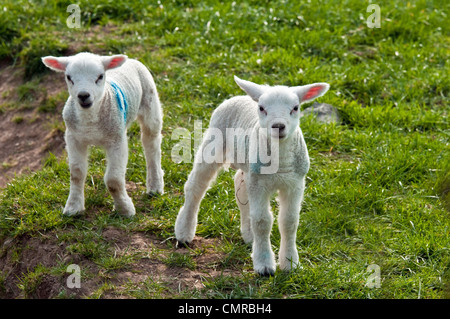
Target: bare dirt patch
(27,134)
(153,268)
(35,267)
(25,268)
(23,145)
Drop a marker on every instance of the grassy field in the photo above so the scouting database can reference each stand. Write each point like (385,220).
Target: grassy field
(377,191)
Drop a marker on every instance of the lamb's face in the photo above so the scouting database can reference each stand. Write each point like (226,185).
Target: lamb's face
(278,111)
(85,80)
(278,106)
(85,75)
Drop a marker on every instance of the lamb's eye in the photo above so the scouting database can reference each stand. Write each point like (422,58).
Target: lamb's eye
(69,78)
(262,110)
(100,77)
(295,108)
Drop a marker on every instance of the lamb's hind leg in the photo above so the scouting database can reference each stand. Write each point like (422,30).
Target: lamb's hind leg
(194,190)
(240,192)
(150,120)
(117,157)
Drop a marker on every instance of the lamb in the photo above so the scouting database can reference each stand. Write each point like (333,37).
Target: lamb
(275,112)
(107,93)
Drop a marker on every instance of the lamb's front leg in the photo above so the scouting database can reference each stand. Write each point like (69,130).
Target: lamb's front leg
(117,158)
(261,225)
(290,205)
(78,164)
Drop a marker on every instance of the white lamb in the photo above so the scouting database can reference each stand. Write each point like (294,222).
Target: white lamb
(275,111)
(107,93)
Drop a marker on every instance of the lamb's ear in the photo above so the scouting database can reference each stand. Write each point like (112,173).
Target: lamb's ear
(114,61)
(56,64)
(307,93)
(252,89)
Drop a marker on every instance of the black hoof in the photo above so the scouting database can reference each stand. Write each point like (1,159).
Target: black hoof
(267,272)
(153,194)
(181,244)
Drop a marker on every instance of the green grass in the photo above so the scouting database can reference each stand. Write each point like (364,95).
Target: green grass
(377,191)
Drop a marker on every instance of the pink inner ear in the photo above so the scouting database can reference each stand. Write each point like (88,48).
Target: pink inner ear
(54,64)
(115,62)
(314,91)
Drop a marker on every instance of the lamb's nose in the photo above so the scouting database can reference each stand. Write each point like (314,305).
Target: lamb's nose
(279,126)
(83,96)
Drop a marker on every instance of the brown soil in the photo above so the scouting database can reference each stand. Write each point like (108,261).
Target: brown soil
(48,252)
(172,277)
(27,134)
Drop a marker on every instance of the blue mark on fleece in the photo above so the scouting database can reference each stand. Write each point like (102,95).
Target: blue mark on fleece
(256,167)
(121,100)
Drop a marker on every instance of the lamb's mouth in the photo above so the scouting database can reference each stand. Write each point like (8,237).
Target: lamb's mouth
(85,105)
